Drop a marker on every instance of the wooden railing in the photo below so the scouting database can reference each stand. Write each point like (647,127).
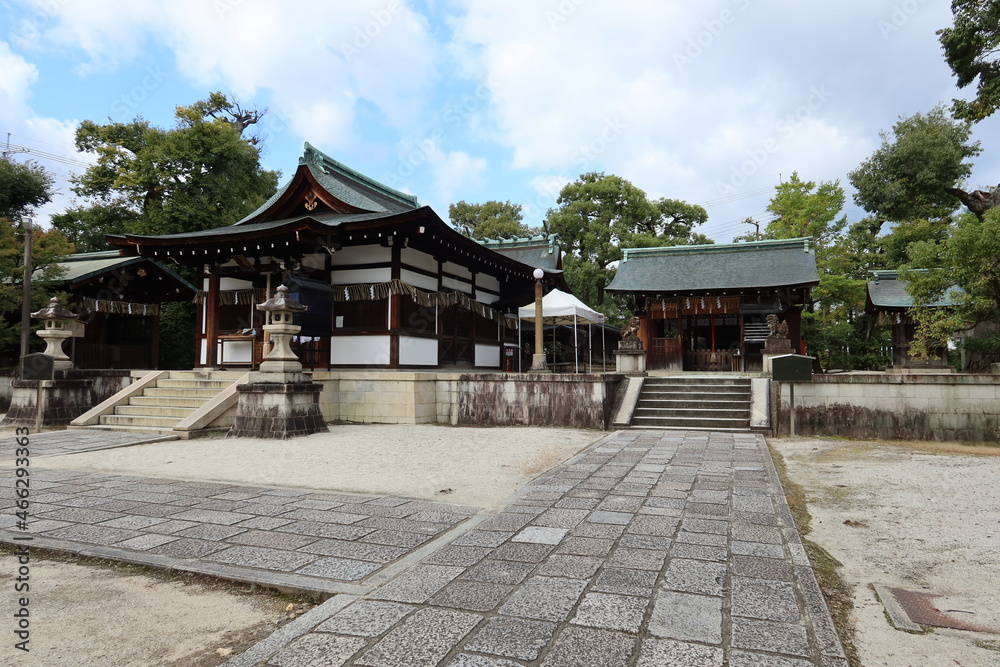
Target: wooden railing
(711,360)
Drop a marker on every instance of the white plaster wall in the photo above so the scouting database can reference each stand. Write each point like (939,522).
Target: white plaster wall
(457,270)
(356,350)
(235,351)
(489,282)
(365,254)
(420,260)
(234,283)
(487,356)
(419,280)
(418,351)
(456,285)
(355,276)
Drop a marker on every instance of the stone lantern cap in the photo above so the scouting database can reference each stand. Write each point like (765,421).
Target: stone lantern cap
(54,311)
(281,302)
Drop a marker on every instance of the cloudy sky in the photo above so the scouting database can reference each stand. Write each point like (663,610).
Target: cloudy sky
(712,102)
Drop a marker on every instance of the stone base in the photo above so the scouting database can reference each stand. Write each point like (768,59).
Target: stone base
(278,410)
(63,400)
(630,362)
(767,355)
(539,364)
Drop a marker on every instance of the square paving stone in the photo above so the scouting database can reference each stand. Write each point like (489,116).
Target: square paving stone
(637,559)
(621,504)
(505,522)
(660,526)
(512,637)
(318,649)
(586,546)
(666,503)
(760,550)
(646,542)
(618,518)
(343,569)
(377,553)
(695,576)
(471,595)
(762,568)
(259,557)
(576,646)
(211,516)
(687,616)
(92,534)
(500,571)
(540,535)
(526,552)
(483,538)
(469,660)
(770,636)
(331,516)
(365,618)
(708,539)
(577,503)
(210,531)
(452,555)
(395,538)
(611,612)
(755,518)
(76,515)
(700,552)
(760,504)
(661,652)
(560,518)
(405,525)
(712,526)
(422,640)
(625,581)
(545,598)
(188,548)
(261,509)
(764,599)
(706,510)
(417,584)
(574,567)
(611,531)
(133,522)
(272,539)
(748,532)
(263,523)
(747,659)
(144,542)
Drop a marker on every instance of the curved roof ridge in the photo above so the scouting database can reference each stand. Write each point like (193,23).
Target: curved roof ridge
(314,157)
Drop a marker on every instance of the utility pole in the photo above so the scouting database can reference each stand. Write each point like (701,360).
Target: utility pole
(26,286)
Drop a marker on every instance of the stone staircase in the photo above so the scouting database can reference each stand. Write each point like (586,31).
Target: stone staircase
(181,403)
(717,403)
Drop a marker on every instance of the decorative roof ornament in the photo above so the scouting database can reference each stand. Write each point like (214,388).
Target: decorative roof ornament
(54,311)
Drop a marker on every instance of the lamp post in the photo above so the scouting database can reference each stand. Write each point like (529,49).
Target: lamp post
(26,287)
(538,358)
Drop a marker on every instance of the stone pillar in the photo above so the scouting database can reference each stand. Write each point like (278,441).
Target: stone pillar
(630,358)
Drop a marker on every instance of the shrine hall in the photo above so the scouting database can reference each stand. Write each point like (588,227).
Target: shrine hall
(705,307)
(388,284)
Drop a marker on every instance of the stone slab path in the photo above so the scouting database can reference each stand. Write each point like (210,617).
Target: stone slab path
(648,548)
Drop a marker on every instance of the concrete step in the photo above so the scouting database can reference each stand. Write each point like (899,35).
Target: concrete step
(227,376)
(177,392)
(136,429)
(216,385)
(691,422)
(168,401)
(152,411)
(707,413)
(696,389)
(706,381)
(129,420)
(688,404)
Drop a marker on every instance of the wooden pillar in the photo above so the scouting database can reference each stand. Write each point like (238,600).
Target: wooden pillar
(212,316)
(395,307)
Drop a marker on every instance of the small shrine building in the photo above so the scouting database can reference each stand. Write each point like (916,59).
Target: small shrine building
(705,307)
(388,284)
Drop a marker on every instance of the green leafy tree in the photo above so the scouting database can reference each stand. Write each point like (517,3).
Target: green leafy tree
(598,215)
(908,176)
(968,259)
(971,48)
(23,188)
(200,174)
(490,220)
(801,208)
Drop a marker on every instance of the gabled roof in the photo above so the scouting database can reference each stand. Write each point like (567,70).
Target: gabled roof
(541,252)
(83,267)
(717,267)
(888,291)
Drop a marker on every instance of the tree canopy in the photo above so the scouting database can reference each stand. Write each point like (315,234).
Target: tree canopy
(909,174)
(200,174)
(971,49)
(599,214)
(801,208)
(489,220)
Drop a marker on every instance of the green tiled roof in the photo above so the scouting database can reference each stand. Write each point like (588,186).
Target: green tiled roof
(85,265)
(538,251)
(888,291)
(717,267)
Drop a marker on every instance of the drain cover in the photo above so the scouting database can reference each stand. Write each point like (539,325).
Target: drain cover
(919,608)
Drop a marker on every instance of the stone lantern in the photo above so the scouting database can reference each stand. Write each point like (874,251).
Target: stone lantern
(279,309)
(55,332)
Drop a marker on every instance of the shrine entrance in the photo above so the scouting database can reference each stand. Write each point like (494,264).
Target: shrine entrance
(698,334)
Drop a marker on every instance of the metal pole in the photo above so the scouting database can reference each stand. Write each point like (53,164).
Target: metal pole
(791,405)
(26,288)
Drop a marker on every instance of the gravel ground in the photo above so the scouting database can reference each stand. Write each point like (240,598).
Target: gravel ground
(919,516)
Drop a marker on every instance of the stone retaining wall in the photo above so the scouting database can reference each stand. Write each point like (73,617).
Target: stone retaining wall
(901,407)
(467,399)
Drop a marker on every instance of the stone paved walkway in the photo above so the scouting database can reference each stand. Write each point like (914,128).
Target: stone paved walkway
(649,548)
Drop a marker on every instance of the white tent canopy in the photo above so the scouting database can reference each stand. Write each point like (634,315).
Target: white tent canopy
(562,308)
